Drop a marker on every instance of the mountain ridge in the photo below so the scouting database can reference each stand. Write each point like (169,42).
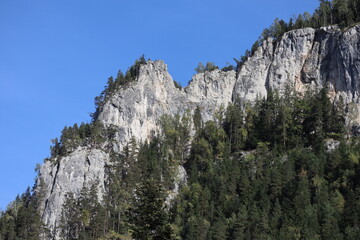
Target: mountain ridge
(302,59)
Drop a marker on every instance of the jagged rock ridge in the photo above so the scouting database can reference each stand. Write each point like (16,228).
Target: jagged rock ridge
(302,58)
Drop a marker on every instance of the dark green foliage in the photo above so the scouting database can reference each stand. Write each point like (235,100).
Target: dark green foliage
(22,221)
(156,160)
(83,218)
(176,136)
(70,221)
(177,85)
(148,218)
(210,66)
(113,85)
(239,62)
(197,119)
(124,173)
(344,13)
(284,187)
(93,134)
(234,126)
(257,172)
(228,67)
(341,12)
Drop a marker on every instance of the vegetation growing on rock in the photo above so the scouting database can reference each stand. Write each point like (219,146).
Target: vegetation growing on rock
(261,172)
(258,171)
(114,85)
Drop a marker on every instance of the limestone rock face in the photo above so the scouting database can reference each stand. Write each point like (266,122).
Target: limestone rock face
(289,59)
(301,59)
(210,90)
(305,58)
(133,111)
(136,109)
(252,78)
(83,167)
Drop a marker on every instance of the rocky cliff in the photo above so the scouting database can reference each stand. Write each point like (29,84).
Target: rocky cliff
(304,58)
(300,59)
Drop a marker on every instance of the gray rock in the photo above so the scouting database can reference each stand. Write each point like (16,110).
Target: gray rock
(180,180)
(83,167)
(301,59)
(136,109)
(331,144)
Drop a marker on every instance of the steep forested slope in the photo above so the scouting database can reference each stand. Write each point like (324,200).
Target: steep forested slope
(264,150)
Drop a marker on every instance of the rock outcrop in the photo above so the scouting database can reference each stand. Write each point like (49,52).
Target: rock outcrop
(83,167)
(136,109)
(300,59)
(133,112)
(305,58)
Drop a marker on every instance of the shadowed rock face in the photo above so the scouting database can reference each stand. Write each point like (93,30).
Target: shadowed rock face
(302,58)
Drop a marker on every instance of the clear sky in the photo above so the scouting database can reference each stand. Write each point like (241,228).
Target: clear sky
(56,56)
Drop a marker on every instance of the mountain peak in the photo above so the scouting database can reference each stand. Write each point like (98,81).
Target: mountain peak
(301,59)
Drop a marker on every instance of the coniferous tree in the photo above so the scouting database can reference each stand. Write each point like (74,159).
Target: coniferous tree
(70,219)
(148,218)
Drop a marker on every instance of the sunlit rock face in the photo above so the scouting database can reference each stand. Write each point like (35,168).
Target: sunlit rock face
(136,109)
(83,167)
(134,112)
(301,59)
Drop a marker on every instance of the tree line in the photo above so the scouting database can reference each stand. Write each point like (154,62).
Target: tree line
(255,172)
(260,172)
(252,173)
(344,13)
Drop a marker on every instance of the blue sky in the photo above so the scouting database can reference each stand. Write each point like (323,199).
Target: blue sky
(56,56)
